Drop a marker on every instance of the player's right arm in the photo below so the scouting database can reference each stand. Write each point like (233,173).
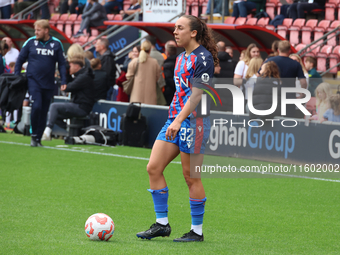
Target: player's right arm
(23,55)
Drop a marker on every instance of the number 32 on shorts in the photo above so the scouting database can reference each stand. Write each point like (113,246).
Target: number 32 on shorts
(186,135)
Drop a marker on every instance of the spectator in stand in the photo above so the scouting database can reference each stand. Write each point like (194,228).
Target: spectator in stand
(251,76)
(122,96)
(134,7)
(314,77)
(297,9)
(262,95)
(168,70)
(13,53)
(218,7)
(68,5)
(145,80)
(94,16)
(323,92)
(82,96)
(226,62)
(230,51)
(100,80)
(242,66)
(6,8)
(275,48)
(333,114)
(107,58)
(113,6)
(289,71)
(242,8)
(242,55)
(3,52)
(297,58)
(166,46)
(20,5)
(88,55)
(158,56)
(11,67)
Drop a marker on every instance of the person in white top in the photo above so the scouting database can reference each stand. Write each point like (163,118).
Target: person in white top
(242,66)
(13,53)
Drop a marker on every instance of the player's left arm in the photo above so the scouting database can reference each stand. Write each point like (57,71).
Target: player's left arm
(62,65)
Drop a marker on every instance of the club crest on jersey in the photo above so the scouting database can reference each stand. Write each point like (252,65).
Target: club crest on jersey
(36,42)
(205,77)
(52,45)
(189,64)
(199,128)
(189,144)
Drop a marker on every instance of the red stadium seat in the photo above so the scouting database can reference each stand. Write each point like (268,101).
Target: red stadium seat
(330,9)
(71,19)
(262,22)
(300,47)
(251,21)
(331,39)
(78,20)
(320,30)
(229,20)
(204,8)
(118,17)
(240,21)
(270,27)
(306,36)
(271,5)
(126,5)
(110,16)
(334,58)
(94,32)
(282,29)
(54,19)
(61,21)
(194,9)
(322,58)
(76,28)
(294,31)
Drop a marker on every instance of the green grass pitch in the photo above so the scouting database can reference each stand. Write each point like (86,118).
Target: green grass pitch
(46,195)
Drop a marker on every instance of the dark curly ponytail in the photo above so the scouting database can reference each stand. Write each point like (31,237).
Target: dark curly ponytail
(204,35)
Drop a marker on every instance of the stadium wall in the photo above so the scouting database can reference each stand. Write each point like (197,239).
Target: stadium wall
(280,140)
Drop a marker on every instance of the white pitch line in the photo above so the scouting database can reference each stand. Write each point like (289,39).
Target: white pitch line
(173,162)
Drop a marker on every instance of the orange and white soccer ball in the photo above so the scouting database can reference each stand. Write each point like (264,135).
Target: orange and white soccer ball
(99,227)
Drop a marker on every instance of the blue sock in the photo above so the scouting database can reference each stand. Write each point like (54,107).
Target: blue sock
(197,213)
(160,201)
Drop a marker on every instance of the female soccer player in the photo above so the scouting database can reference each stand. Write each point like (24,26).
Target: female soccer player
(187,130)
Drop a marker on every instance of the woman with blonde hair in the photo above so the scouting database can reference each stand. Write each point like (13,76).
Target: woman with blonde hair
(242,66)
(323,92)
(146,72)
(297,58)
(251,75)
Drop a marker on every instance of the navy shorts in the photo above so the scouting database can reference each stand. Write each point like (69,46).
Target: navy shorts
(192,136)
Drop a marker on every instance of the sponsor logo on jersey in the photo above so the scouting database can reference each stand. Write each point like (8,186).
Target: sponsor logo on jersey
(45,52)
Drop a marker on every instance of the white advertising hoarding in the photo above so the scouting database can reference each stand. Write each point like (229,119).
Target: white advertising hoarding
(161,10)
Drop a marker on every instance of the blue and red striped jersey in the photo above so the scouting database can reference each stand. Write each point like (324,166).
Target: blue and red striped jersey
(190,71)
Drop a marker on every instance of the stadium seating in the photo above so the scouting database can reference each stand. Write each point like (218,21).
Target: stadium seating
(229,20)
(110,16)
(294,31)
(334,58)
(322,57)
(320,30)
(251,21)
(55,17)
(332,39)
(282,29)
(306,36)
(330,9)
(300,47)
(118,17)
(240,21)
(61,21)
(271,6)
(262,22)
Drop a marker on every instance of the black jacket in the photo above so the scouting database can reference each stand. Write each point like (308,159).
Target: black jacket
(263,96)
(100,85)
(109,66)
(13,89)
(227,66)
(82,89)
(168,70)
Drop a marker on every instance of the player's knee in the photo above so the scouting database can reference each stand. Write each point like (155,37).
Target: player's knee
(153,169)
(188,180)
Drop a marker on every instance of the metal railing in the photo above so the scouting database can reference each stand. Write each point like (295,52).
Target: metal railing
(25,12)
(320,42)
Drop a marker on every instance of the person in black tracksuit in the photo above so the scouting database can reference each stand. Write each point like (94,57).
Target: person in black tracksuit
(82,96)
(42,52)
